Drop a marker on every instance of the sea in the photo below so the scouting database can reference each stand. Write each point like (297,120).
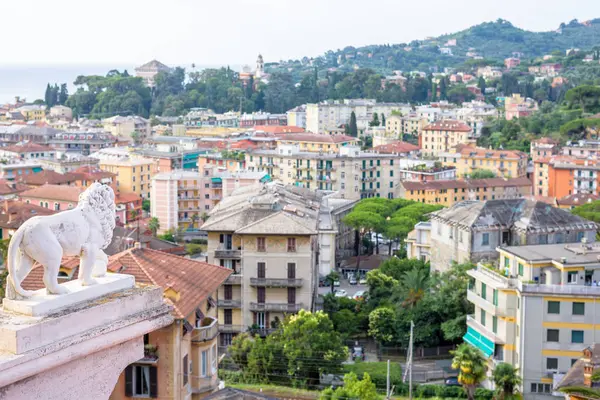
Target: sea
(29,81)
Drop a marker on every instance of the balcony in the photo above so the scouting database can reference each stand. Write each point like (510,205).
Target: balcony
(216,185)
(262,331)
(566,289)
(326,168)
(234,279)
(368,190)
(223,252)
(229,303)
(201,385)
(304,178)
(281,307)
(474,324)
(493,277)
(368,179)
(150,354)
(208,330)
(368,167)
(326,178)
(275,283)
(304,167)
(230,328)
(188,198)
(488,306)
(215,197)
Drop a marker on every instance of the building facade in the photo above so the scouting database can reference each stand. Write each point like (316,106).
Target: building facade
(440,136)
(134,175)
(469,159)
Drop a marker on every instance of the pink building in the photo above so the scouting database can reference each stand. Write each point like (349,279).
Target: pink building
(53,197)
(512,62)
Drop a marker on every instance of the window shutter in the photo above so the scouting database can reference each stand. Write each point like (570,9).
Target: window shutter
(221,238)
(129,381)
(153,382)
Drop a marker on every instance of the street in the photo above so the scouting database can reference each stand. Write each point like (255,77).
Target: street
(350,289)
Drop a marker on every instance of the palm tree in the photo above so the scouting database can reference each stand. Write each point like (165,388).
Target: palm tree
(414,285)
(472,366)
(154,225)
(507,380)
(195,219)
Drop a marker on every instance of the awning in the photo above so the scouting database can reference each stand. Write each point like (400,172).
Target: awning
(265,178)
(216,180)
(474,338)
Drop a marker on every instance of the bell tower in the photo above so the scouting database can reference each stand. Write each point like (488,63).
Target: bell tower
(260,67)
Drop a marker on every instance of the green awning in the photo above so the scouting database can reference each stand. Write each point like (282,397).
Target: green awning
(265,178)
(216,180)
(475,338)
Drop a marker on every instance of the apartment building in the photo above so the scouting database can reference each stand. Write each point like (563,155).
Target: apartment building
(182,200)
(450,192)
(316,143)
(472,230)
(440,136)
(134,174)
(397,125)
(544,147)
(517,106)
(355,174)
(425,173)
(580,375)
(561,176)
(582,149)
(418,242)
(468,159)
(537,309)
(270,236)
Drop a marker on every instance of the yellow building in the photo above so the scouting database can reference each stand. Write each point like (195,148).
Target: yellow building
(316,143)
(180,360)
(397,125)
(133,175)
(468,159)
(440,136)
(33,112)
(447,193)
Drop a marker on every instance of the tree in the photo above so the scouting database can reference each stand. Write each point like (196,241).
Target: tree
(589,211)
(472,367)
(331,278)
(375,120)
(459,94)
(146,205)
(481,84)
(63,95)
(507,380)
(481,174)
(154,225)
(382,323)
(353,389)
(585,96)
(363,221)
(352,125)
(382,120)
(414,285)
(309,336)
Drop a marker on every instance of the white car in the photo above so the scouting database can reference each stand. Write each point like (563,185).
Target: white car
(341,293)
(363,281)
(336,283)
(360,295)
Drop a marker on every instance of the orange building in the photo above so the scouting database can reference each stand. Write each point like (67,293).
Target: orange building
(560,176)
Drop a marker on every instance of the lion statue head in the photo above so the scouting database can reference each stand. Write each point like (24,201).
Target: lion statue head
(99,199)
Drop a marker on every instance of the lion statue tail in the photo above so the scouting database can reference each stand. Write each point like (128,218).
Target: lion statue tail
(13,262)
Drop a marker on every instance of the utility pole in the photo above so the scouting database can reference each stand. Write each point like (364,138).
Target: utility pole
(387,386)
(410,361)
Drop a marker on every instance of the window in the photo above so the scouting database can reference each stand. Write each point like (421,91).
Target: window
(291,295)
(495,324)
(141,381)
(261,244)
(552,363)
(186,366)
(576,336)
(485,239)
(260,270)
(580,236)
(291,245)
(521,269)
(291,270)
(56,206)
(554,307)
(483,290)
(260,319)
(572,276)
(391,173)
(483,317)
(578,308)
(495,297)
(214,358)
(203,363)
(552,335)
(543,239)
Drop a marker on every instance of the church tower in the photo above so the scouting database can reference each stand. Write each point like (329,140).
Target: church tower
(260,67)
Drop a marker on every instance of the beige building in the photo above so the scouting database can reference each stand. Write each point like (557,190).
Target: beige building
(440,136)
(149,70)
(418,242)
(134,175)
(125,127)
(355,174)
(61,113)
(270,236)
(183,199)
(537,309)
(469,159)
(397,125)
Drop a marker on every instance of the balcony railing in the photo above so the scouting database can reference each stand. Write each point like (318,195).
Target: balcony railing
(227,253)
(229,303)
(282,307)
(489,306)
(273,282)
(215,197)
(208,330)
(262,331)
(230,328)
(495,275)
(234,279)
(368,167)
(566,289)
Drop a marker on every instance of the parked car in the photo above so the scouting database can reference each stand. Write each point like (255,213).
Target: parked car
(363,281)
(322,281)
(360,295)
(341,293)
(358,353)
(336,283)
(352,280)
(452,381)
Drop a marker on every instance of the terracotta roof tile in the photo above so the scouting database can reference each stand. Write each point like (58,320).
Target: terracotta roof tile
(54,192)
(396,147)
(577,199)
(448,125)
(127,198)
(279,129)
(316,138)
(48,176)
(194,281)
(473,151)
(27,148)
(7,187)
(458,184)
(15,213)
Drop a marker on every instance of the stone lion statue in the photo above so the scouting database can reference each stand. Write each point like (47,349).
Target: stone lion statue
(83,231)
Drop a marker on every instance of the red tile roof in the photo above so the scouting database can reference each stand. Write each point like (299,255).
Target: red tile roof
(35,279)
(448,125)
(397,147)
(48,176)
(92,173)
(472,151)
(194,281)
(546,140)
(27,148)
(471,184)
(577,199)
(14,213)
(316,138)
(54,192)
(7,187)
(127,198)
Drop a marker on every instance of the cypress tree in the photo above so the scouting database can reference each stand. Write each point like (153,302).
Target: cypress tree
(353,126)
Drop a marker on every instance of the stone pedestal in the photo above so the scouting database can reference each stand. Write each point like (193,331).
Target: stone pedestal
(75,346)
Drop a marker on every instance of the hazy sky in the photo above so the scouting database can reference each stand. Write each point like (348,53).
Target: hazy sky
(179,32)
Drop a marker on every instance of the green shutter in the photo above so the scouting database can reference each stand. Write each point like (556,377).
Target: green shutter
(483,290)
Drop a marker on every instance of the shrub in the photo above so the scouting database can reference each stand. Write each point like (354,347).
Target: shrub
(199,241)
(484,394)
(377,371)
(193,249)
